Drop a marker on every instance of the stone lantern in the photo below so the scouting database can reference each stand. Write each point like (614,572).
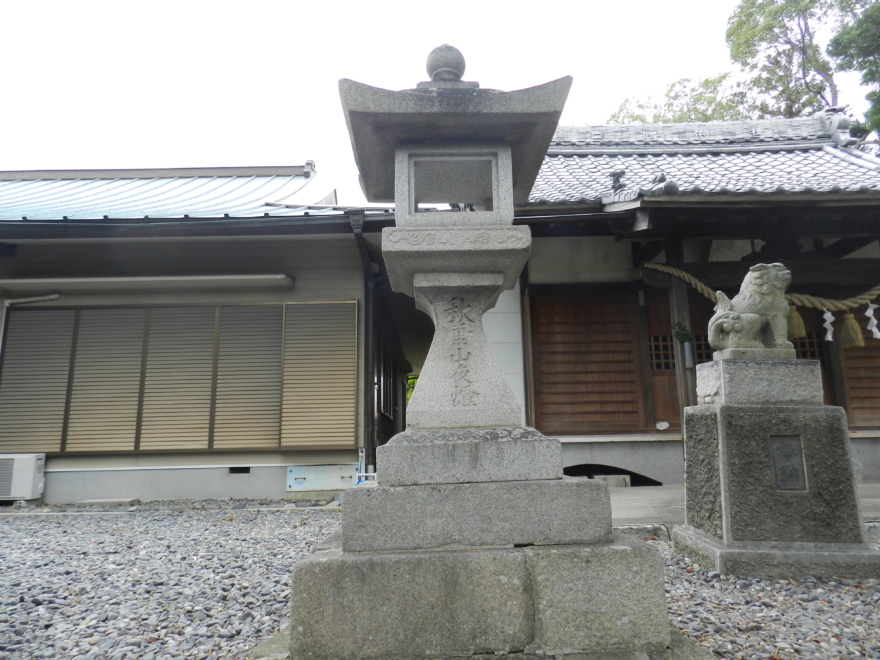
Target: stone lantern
(472,542)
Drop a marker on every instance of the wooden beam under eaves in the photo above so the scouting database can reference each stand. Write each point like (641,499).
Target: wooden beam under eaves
(846,246)
(643,220)
(859,273)
(647,251)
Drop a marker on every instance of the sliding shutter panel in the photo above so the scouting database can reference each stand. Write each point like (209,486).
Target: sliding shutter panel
(320,375)
(248,378)
(33,384)
(860,367)
(106,380)
(586,352)
(179,376)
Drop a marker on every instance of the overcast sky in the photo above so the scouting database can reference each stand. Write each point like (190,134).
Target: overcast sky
(187,83)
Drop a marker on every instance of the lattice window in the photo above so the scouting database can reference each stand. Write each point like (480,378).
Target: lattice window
(702,350)
(663,355)
(662,352)
(811,347)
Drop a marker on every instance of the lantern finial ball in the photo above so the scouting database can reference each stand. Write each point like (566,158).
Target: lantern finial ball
(445,63)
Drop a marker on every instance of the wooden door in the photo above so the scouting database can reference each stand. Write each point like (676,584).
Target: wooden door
(587,372)
(861,384)
(664,388)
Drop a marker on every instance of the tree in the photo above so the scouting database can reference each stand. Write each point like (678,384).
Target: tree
(856,47)
(783,69)
(706,99)
(775,41)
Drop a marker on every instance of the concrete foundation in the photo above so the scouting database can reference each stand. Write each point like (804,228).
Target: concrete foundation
(661,460)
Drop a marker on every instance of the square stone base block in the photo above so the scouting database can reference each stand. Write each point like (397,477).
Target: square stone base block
(455,456)
(554,512)
(778,560)
(761,382)
(770,474)
(602,598)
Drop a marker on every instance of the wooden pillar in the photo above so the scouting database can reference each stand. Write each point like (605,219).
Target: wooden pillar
(528,359)
(679,312)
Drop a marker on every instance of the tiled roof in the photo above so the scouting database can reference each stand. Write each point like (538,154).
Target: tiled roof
(158,193)
(808,155)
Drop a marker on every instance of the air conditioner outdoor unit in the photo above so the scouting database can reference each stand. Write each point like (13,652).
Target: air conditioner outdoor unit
(21,476)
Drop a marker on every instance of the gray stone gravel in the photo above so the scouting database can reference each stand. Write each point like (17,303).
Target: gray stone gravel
(821,618)
(153,582)
(168,580)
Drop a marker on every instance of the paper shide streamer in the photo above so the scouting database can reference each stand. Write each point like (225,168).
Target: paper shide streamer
(872,322)
(829,329)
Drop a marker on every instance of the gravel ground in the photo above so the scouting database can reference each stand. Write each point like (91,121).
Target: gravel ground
(172,580)
(165,580)
(779,619)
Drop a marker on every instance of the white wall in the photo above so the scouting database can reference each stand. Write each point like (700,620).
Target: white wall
(503,325)
(579,259)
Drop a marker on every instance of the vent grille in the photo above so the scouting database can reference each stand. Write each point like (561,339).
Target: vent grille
(6,468)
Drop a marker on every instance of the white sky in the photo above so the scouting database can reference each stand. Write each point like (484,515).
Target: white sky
(191,83)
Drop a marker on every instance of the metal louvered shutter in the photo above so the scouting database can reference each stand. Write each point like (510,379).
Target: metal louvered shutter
(33,385)
(178,380)
(320,375)
(248,401)
(106,380)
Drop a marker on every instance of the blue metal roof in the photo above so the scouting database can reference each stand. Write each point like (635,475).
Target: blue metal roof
(248,192)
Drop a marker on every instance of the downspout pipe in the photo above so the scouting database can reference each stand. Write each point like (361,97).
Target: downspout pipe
(356,218)
(9,302)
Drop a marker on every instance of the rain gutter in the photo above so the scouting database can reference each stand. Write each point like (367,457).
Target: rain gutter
(371,423)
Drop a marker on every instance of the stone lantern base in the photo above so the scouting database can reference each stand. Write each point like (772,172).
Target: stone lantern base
(573,601)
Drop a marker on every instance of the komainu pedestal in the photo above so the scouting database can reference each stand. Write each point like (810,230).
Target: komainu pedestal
(768,469)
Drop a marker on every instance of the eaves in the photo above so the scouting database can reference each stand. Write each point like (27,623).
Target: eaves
(684,149)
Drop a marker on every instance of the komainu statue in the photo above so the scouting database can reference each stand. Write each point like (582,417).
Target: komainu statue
(757,316)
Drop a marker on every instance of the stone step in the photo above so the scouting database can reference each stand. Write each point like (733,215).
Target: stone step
(453,456)
(561,511)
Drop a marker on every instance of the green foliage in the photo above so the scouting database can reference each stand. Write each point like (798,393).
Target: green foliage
(410,386)
(784,70)
(706,99)
(859,129)
(775,41)
(773,95)
(856,47)
(682,334)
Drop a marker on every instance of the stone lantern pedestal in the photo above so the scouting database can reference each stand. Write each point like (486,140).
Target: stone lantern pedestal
(472,543)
